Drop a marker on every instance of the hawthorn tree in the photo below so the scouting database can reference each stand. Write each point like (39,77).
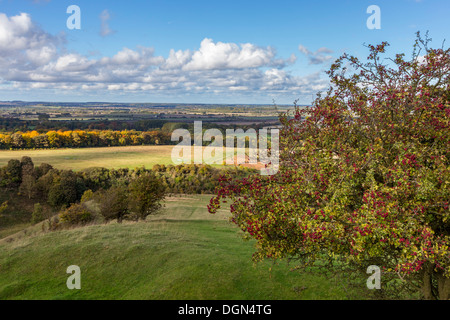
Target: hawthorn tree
(146,193)
(28,177)
(364,173)
(113,203)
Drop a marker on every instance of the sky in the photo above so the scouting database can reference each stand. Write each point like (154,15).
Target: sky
(197,51)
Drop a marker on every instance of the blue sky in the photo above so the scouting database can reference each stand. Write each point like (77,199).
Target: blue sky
(196,51)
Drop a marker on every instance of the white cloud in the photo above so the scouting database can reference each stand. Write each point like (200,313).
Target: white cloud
(19,33)
(229,56)
(69,63)
(177,59)
(42,55)
(318,57)
(143,57)
(34,59)
(105,30)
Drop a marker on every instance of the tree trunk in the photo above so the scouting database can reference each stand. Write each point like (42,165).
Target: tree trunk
(443,287)
(427,285)
(442,291)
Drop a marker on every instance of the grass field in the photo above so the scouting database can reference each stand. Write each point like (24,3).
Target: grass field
(108,157)
(183,253)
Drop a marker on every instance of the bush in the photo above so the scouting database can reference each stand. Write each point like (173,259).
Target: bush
(3,207)
(113,203)
(38,214)
(66,190)
(146,193)
(87,196)
(76,214)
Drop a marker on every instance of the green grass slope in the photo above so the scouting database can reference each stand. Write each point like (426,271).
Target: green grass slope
(183,253)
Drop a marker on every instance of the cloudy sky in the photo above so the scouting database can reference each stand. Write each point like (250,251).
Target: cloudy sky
(196,51)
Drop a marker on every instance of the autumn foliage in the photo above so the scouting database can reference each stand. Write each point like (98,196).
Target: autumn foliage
(364,173)
(81,139)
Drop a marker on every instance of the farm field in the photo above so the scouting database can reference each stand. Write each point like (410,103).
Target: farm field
(182,253)
(108,157)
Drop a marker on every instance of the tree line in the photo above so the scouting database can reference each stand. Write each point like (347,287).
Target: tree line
(44,124)
(39,139)
(81,138)
(80,197)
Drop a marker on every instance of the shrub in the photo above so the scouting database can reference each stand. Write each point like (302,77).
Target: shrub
(146,193)
(87,196)
(113,203)
(3,207)
(38,214)
(66,190)
(76,214)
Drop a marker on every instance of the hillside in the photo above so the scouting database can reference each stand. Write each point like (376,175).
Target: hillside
(183,253)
